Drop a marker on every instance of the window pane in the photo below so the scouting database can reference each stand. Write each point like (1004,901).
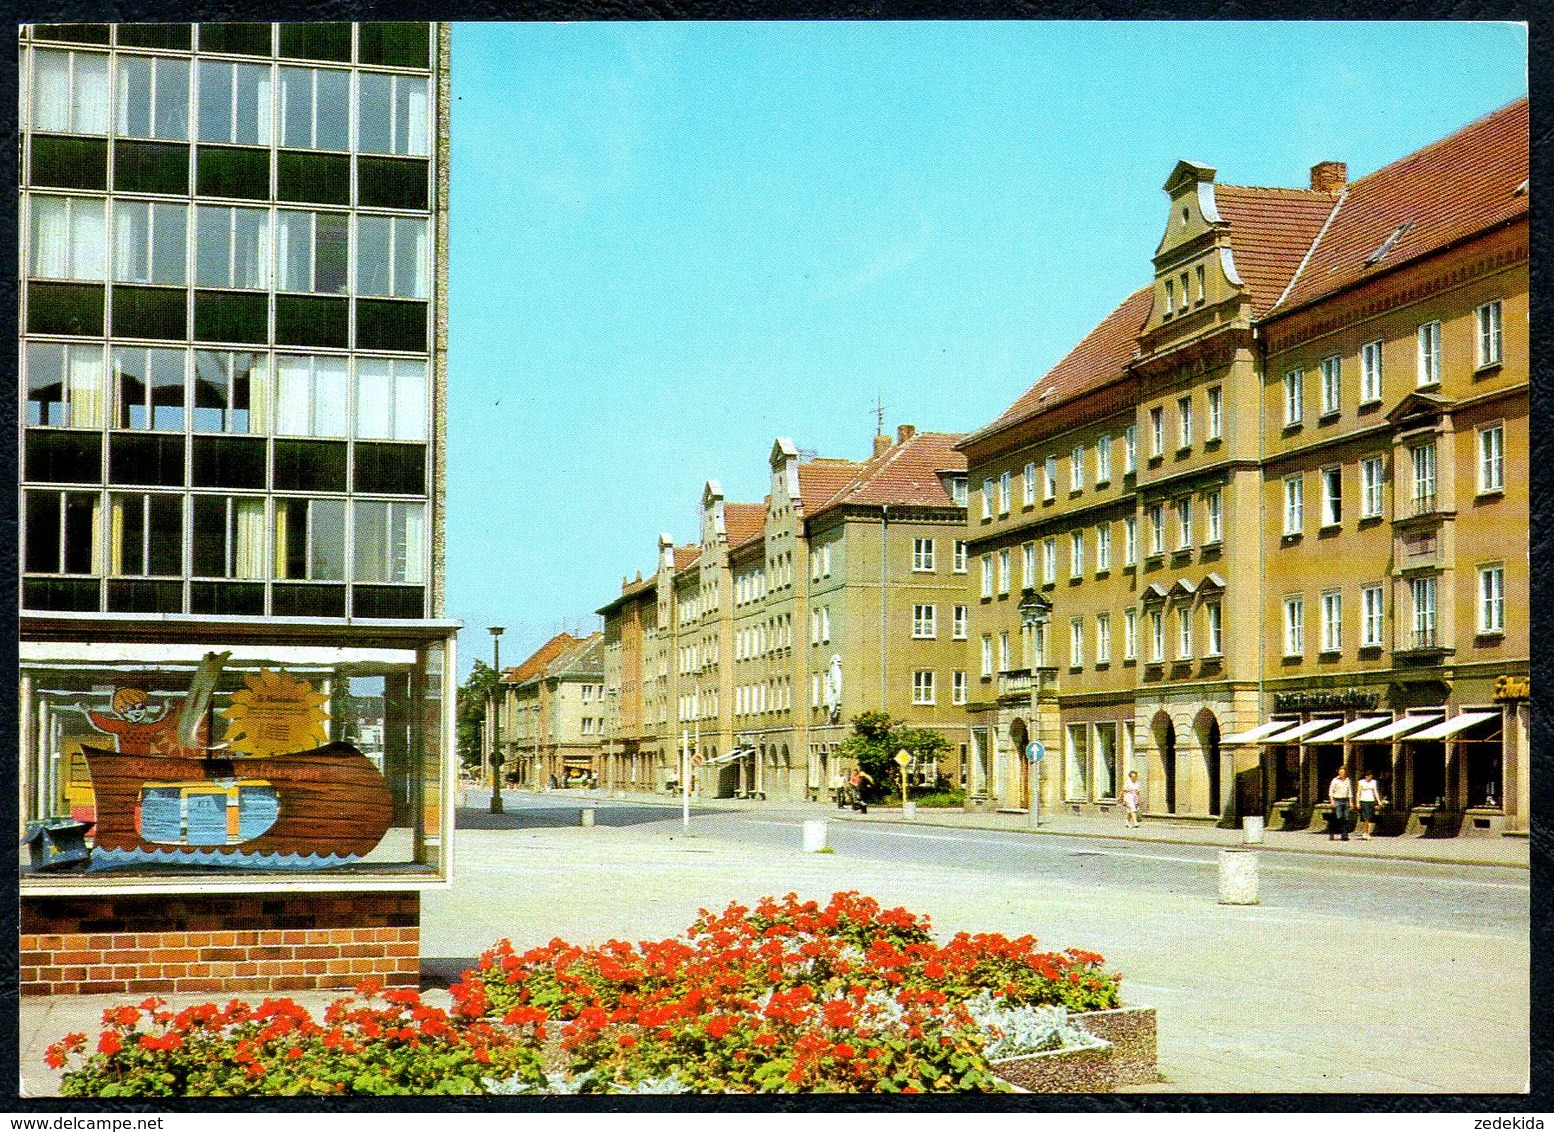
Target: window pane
(134,96)
(42,533)
(215,83)
(212,257)
(332,250)
(296,107)
(332,128)
(410,258)
(372,255)
(165,520)
(329,411)
(167,389)
(89,96)
(374,399)
(210,536)
(168,236)
(327,559)
(251,109)
(172,99)
(251,249)
(293,396)
(45,384)
(51,91)
(371,542)
(410,133)
(374,124)
(294,251)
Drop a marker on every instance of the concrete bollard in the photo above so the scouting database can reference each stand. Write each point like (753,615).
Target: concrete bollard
(1237,876)
(1251,831)
(814,836)
(909,811)
(585,817)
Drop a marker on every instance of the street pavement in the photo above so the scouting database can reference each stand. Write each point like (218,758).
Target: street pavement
(1367,967)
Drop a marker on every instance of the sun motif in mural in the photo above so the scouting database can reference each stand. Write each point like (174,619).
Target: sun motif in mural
(276,715)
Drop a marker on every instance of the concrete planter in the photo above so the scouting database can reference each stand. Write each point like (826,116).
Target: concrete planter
(1127,1057)
(1131,1031)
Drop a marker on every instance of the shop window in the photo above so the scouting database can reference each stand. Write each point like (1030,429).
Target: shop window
(390,542)
(225,316)
(62,531)
(227,599)
(69,163)
(400,602)
(145,535)
(65,308)
(391,182)
(307,600)
(69,90)
(390,399)
(232,248)
(387,324)
(63,457)
(326,42)
(151,312)
(72,33)
(393,44)
(228,461)
(391,256)
(316,178)
(149,388)
(229,391)
(311,320)
(234,100)
(309,465)
(153,98)
(310,396)
(150,167)
(236,39)
(394,469)
(64,385)
(391,115)
(173,37)
(314,107)
(1076,788)
(228,537)
(136,458)
(240,173)
(1105,760)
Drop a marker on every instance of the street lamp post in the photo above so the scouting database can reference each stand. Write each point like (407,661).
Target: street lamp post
(1035,611)
(496,721)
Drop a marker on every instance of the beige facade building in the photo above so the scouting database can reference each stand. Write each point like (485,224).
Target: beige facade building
(553,713)
(1283,482)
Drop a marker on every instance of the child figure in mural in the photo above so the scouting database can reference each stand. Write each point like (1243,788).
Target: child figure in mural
(141,727)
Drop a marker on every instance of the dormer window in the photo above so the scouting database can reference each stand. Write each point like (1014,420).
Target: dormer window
(1389,243)
(1170,298)
(1184,216)
(1199,272)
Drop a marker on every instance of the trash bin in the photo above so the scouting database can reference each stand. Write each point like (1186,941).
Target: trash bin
(55,842)
(1237,876)
(1252,830)
(814,836)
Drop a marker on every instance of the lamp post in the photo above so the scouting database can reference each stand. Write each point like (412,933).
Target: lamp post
(1035,611)
(496,721)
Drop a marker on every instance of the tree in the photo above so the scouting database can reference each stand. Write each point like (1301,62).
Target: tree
(873,745)
(471,713)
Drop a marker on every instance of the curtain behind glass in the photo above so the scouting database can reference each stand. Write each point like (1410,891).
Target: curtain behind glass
(293,396)
(413,519)
(50,258)
(86,386)
(51,91)
(409,400)
(248,535)
(374,399)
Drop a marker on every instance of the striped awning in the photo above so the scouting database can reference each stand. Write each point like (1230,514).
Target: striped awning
(1461,723)
(1338,734)
(1300,732)
(1260,730)
(1396,728)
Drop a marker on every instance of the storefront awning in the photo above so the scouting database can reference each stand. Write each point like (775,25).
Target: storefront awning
(1300,732)
(1338,734)
(1396,728)
(736,753)
(1452,726)
(1260,730)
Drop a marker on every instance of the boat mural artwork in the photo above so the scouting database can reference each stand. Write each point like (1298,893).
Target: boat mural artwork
(274,794)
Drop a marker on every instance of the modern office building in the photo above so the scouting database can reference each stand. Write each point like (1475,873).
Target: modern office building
(233,333)
(1271,515)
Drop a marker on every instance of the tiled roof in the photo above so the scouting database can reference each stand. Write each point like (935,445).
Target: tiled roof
(743,522)
(1099,358)
(584,659)
(904,474)
(539,660)
(1270,232)
(1461,185)
(819,480)
(685,555)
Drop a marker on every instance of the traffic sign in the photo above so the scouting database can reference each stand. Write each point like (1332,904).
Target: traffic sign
(1035,752)
(902,759)
(698,760)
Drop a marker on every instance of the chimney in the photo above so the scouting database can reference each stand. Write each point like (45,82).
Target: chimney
(905,432)
(1329,176)
(881,445)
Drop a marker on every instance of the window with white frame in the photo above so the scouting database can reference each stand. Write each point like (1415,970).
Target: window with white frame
(310,396)
(1103,638)
(922,687)
(1027,565)
(1003,651)
(1076,642)
(1370,372)
(1332,621)
(69,92)
(1076,468)
(1201,290)
(1184,421)
(960,556)
(1103,547)
(1049,479)
(924,621)
(1429,338)
(1157,538)
(1156,635)
(1491,598)
(958,687)
(1130,541)
(1294,625)
(1294,505)
(1076,554)
(825,624)
(1216,412)
(392,257)
(958,490)
(1423,591)
(987,499)
(1216,635)
(234,102)
(922,555)
(1332,496)
(1372,616)
(149,243)
(68,240)
(1294,397)
(1003,493)
(1183,524)
(1156,431)
(391,115)
(825,561)
(310,251)
(987,575)
(1372,476)
(1491,458)
(960,621)
(1184,631)
(1076,787)
(314,107)
(1003,571)
(1130,450)
(1130,634)
(1332,385)
(1489,338)
(1103,460)
(987,655)
(1422,456)
(1214,507)
(390,399)
(1170,298)
(1028,482)
(1049,561)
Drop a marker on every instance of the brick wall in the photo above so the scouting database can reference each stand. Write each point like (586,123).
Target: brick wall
(259,942)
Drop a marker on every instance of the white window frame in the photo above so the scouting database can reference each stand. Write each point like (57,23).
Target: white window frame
(1214,617)
(1425,593)
(957,687)
(1049,561)
(1076,554)
(922,687)
(1491,341)
(925,621)
(1076,468)
(1103,639)
(1214,508)
(1130,450)
(1373,616)
(1294,397)
(1157,636)
(1003,571)
(1157,431)
(1003,492)
(1373,478)
(1491,599)
(958,563)
(1184,523)
(1049,479)
(1184,631)
(1332,621)
(1184,421)
(1295,625)
(1332,496)
(1370,372)
(1003,651)
(1103,547)
(1332,385)
(1029,482)
(1216,412)
(1130,540)
(1027,565)
(923,555)
(1076,642)
(987,500)
(1294,505)
(1426,480)
(960,620)
(1130,634)
(987,655)
(1428,338)
(1491,458)
(987,576)
(1103,459)
(1157,536)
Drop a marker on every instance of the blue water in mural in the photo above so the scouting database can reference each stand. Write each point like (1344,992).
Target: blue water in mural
(161,814)
(231,859)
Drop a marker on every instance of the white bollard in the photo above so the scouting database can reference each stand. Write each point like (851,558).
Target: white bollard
(909,811)
(1251,831)
(585,817)
(814,836)
(1237,876)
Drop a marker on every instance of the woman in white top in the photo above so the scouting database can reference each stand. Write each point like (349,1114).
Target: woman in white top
(1368,794)
(1130,798)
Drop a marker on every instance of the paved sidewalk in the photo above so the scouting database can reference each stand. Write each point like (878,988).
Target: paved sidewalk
(1469,849)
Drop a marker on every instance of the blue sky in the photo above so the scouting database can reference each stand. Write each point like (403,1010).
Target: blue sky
(673,242)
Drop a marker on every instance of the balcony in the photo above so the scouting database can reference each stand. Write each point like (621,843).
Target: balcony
(1016,685)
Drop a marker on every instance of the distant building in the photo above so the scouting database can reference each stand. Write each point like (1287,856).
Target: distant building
(553,713)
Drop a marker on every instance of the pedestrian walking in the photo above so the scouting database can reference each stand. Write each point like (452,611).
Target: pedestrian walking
(856,782)
(1130,798)
(1340,792)
(1368,794)
(839,789)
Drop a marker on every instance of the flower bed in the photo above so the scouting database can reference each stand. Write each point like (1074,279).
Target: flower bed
(786,996)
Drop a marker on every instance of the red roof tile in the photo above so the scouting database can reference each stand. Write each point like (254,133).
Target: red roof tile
(685,555)
(819,480)
(539,659)
(904,474)
(1270,232)
(743,522)
(1462,185)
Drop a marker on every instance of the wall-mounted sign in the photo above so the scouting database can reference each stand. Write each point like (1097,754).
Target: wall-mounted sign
(1351,700)
(275,715)
(1512,688)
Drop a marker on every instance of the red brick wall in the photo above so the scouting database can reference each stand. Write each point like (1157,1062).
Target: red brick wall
(253,942)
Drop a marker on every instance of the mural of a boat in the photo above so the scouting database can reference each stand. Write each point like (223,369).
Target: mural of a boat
(328,804)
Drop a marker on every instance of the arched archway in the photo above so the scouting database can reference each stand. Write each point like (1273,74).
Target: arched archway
(1165,757)
(1018,737)
(1206,728)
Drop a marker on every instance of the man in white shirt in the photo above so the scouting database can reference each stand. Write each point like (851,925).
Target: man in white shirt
(1340,792)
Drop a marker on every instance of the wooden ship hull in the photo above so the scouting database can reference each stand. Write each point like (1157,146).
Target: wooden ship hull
(331,802)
